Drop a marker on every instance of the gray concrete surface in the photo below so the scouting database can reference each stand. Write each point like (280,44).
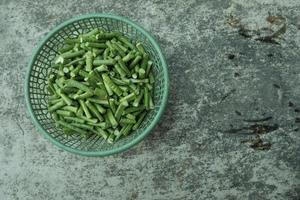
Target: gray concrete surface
(191,154)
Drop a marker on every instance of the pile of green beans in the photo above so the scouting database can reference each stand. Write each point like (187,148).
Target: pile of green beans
(102,84)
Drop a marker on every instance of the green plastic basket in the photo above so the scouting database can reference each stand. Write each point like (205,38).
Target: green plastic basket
(39,67)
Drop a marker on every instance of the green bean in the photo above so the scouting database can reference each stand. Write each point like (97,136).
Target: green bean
(117,134)
(151,104)
(83,73)
(130,116)
(64,113)
(83,126)
(127,121)
(149,86)
(109,84)
(53,101)
(139,80)
(135,62)
(136,101)
(146,98)
(142,73)
(102,133)
(97,52)
(75,119)
(128,98)
(89,61)
(107,35)
(65,48)
(101,93)
(56,106)
(112,104)
(100,108)
(151,78)
(70,108)
(102,68)
(120,110)
(134,109)
(149,66)
(94,110)
(128,57)
(92,120)
(75,71)
(83,96)
(79,111)
(140,48)
(118,49)
(101,124)
(85,109)
(99,101)
(111,138)
(66,125)
(126,41)
(68,55)
(104,62)
(65,97)
(127,129)
(121,46)
(139,121)
(118,81)
(75,62)
(145,61)
(73,83)
(96,45)
(123,66)
(92,32)
(111,118)
(55,116)
(105,54)
(120,70)
(134,75)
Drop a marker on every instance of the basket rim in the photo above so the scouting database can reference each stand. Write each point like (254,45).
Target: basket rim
(144,133)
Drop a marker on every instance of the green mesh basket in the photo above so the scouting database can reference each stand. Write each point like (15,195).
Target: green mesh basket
(39,67)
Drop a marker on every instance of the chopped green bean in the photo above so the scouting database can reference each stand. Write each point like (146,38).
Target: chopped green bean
(135,62)
(127,121)
(102,68)
(139,121)
(85,109)
(94,110)
(104,62)
(75,119)
(120,110)
(140,48)
(78,130)
(56,106)
(127,129)
(64,113)
(103,133)
(111,118)
(100,108)
(70,108)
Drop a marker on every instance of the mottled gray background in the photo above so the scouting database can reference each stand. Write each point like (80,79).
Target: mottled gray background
(189,155)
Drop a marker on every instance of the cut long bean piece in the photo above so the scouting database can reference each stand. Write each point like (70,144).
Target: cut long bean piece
(56,106)
(112,119)
(78,130)
(140,120)
(73,83)
(94,110)
(85,109)
(75,119)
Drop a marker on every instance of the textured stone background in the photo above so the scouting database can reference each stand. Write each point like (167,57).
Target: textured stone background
(189,155)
